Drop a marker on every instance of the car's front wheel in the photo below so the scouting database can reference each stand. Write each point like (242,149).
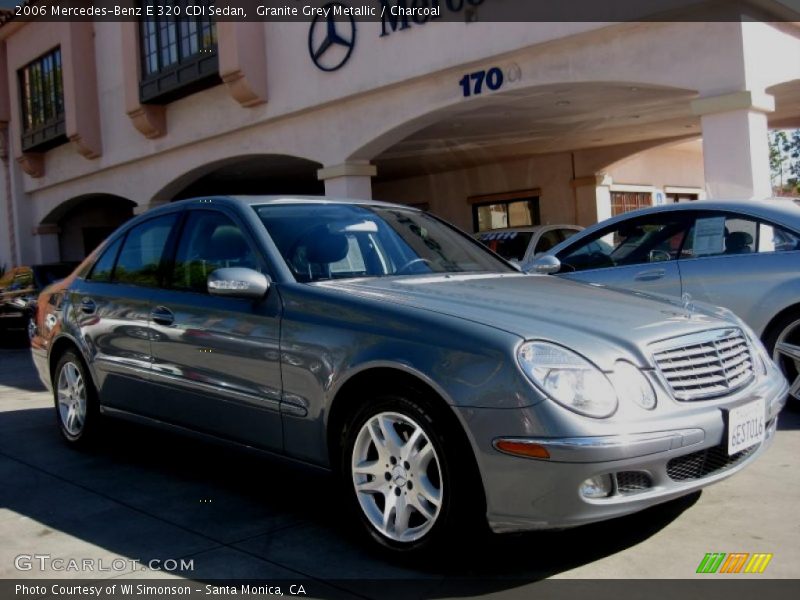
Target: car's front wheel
(783,342)
(75,399)
(398,465)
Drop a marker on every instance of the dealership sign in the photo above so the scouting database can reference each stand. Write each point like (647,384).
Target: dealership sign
(332,34)
(331,41)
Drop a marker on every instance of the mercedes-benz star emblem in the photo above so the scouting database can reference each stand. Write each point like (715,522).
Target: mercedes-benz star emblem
(331,42)
(688,305)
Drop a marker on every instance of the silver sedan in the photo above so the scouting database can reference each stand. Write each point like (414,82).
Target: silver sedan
(740,255)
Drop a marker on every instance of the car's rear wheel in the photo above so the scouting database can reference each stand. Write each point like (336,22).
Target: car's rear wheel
(783,342)
(398,465)
(75,399)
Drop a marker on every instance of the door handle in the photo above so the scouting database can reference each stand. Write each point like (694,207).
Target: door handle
(162,315)
(653,275)
(88,306)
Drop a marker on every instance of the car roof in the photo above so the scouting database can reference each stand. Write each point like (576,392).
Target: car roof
(783,210)
(530,228)
(291,199)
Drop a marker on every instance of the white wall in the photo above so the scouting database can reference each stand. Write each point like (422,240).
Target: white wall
(680,165)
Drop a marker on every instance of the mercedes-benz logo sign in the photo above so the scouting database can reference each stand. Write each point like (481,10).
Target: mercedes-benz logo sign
(331,42)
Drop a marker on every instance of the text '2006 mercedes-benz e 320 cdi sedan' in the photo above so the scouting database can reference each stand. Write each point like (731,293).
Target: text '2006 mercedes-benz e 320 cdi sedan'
(442,386)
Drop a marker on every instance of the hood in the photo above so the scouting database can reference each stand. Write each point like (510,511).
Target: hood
(584,317)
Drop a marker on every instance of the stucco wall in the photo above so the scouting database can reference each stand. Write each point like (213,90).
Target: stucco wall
(448,193)
(679,166)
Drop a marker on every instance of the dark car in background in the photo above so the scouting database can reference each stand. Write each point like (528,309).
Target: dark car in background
(19,288)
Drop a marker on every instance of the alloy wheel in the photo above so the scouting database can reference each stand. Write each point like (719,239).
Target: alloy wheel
(787,356)
(397,476)
(71,399)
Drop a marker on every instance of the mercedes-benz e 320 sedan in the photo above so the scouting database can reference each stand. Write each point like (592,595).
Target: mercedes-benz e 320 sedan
(440,384)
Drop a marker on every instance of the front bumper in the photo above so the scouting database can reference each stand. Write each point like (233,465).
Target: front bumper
(668,457)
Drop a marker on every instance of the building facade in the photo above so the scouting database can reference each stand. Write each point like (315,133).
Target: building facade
(487,124)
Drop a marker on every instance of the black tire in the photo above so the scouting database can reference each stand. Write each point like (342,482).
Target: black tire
(771,337)
(87,432)
(461,513)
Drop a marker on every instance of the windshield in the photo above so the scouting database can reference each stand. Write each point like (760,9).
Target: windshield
(340,241)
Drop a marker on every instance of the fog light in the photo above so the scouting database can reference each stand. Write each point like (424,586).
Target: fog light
(599,486)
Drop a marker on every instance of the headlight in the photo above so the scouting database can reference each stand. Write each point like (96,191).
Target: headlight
(632,385)
(568,378)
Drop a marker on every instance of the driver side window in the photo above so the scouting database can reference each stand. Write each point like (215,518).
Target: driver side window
(644,240)
(210,240)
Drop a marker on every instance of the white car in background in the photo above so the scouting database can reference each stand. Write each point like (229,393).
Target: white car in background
(521,244)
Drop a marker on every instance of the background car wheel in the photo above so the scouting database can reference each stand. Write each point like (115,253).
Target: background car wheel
(75,400)
(783,344)
(401,474)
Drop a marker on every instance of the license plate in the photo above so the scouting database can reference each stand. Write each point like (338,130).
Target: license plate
(746,426)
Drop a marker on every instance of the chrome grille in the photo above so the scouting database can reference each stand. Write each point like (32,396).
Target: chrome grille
(705,365)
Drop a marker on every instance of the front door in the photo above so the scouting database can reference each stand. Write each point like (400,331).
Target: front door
(640,254)
(216,359)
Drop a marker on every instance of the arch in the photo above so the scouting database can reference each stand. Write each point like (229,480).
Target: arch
(600,160)
(533,113)
(84,221)
(56,214)
(245,174)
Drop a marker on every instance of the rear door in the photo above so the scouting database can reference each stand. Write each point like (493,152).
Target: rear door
(111,308)
(216,359)
(739,262)
(640,253)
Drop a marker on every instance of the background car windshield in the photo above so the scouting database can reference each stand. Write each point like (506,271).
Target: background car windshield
(339,241)
(508,244)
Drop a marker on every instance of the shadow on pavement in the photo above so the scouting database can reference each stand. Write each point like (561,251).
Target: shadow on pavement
(13,341)
(16,365)
(145,494)
(789,418)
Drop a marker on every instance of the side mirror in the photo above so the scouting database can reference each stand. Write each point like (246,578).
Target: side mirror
(546,264)
(660,256)
(238,282)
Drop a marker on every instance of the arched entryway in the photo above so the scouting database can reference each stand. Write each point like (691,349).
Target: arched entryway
(525,151)
(261,174)
(80,224)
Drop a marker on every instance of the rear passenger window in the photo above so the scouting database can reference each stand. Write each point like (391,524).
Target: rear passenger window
(775,239)
(719,235)
(101,271)
(139,260)
(210,241)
